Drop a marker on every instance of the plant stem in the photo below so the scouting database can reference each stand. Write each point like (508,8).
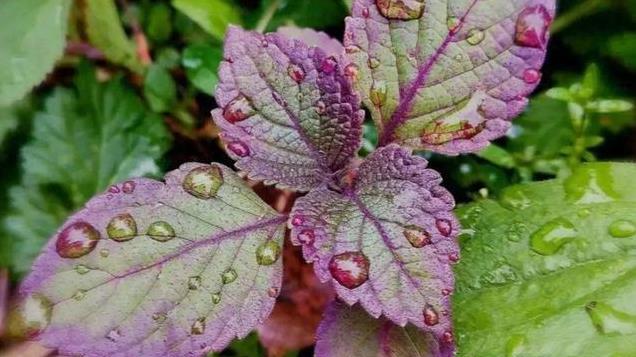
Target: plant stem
(267,16)
(584,9)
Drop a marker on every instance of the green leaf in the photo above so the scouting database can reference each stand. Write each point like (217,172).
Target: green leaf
(84,140)
(497,155)
(160,89)
(306,13)
(159,23)
(201,63)
(213,16)
(105,31)
(623,48)
(607,106)
(550,268)
(32,38)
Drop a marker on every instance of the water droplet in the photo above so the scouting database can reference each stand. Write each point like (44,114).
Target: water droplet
(161,231)
(113,189)
(198,327)
(475,36)
(444,226)
(268,253)
(216,298)
(515,346)
(584,213)
(350,269)
(401,9)
(113,335)
(446,292)
(204,181)
(82,269)
(30,317)
(238,148)
(272,292)
(228,276)
(365,12)
(374,62)
(515,232)
(454,24)
(321,107)
(128,187)
(351,71)
(418,237)
(159,317)
(122,228)
(591,184)
(194,282)
(79,295)
(431,318)
(532,25)
(238,109)
(329,65)
(264,43)
(448,337)
(296,72)
(378,93)
(104,253)
(622,228)
(306,237)
(297,221)
(610,321)
(548,239)
(531,76)
(352,49)
(453,257)
(77,240)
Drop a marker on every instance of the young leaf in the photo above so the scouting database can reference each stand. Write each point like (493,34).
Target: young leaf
(214,16)
(386,241)
(157,269)
(549,269)
(32,38)
(350,331)
(289,113)
(447,76)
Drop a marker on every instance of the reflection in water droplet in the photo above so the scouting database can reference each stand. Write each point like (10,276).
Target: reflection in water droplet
(194,282)
(515,346)
(418,237)
(306,237)
(431,318)
(378,93)
(296,72)
(113,335)
(531,76)
(122,228)
(268,253)
(79,295)
(610,321)
(128,187)
(81,269)
(548,239)
(228,276)
(198,327)
(216,298)
(272,292)
(444,226)
(329,65)
(204,181)
(238,109)
(76,240)
(532,25)
(475,36)
(401,9)
(238,148)
(161,231)
(350,269)
(454,24)
(622,228)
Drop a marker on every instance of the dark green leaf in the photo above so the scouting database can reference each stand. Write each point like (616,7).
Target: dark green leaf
(160,89)
(201,63)
(159,23)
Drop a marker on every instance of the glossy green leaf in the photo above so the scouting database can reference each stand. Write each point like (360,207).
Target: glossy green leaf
(32,38)
(550,268)
(214,16)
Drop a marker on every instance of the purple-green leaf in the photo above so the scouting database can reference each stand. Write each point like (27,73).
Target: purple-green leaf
(313,38)
(290,115)
(387,240)
(447,76)
(350,331)
(158,269)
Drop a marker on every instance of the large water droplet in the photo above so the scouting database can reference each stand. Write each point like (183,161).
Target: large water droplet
(228,276)
(122,228)
(268,253)
(128,187)
(622,228)
(161,231)
(532,27)
(418,237)
(30,317)
(431,318)
(296,72)
(475,36)
(548,239)
(238,148)
(194,282)
(198,327)
(378,93)
(204,181)
(350,269)
(82,269)
(444,226)
(306,237)
(329,65)
(401,9)
(238,109)
(76,240)
(216,298)
(610,321)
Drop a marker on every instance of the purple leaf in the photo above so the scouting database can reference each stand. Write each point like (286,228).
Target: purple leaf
(289,113)
(313,38)
(447,76)
(350,331)
(387,240)
(158,269)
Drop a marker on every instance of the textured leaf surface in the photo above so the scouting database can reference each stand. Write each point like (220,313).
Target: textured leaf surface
(154,269)
(289,113)
(313,38)
(101,133)
(350,331)
(447,75)
(550,268)
(386,241)
(32,38)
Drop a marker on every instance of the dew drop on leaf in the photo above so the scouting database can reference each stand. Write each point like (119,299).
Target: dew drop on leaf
(329,65)
(198,326)
(30,317)
(268,253)
(454,24)
(306,237)
(79,295)
(113,335)
(296,72)
(610,321)
(549,238)
(532,27)
(374,62)
(228,276)
(531,76)
(159,317)
(448,337)
(431,318)
(475,36)
(352,49)
(350,269)
(238,110)
(194,282)
(365,12)
(401,9)
(81,269)
(113,189)
(297,221)
(128,187)
(216,298)
(378,93)
(238,148)
(272,292)
(122,228)
(418,237)
(351,71)
(203,182)
(104,253)
(444,226)
(622,228)
(77,240)
(161,231)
